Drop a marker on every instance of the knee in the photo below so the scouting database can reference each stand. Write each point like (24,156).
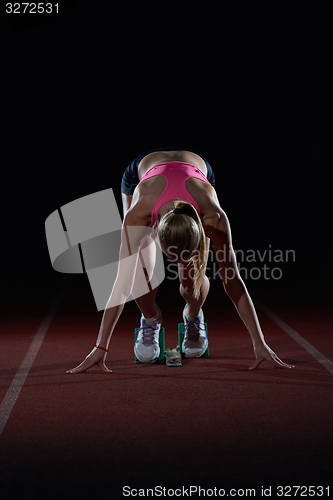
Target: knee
(186,287)
(183,289)
(205,282)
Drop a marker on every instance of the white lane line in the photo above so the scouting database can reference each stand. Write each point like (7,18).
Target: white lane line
(15,387)
(296,336)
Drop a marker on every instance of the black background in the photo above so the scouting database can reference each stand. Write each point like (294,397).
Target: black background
(86,91)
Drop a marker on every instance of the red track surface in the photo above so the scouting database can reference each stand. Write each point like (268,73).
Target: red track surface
(211,422)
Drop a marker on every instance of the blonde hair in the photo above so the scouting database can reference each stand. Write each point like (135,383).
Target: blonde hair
(184,231)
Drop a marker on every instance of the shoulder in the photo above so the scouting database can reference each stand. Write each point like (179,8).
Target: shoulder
(206,197)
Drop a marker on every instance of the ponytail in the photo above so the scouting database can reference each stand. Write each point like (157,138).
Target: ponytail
(182,228)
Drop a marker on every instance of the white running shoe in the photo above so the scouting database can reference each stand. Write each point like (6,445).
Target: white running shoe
(195,340)
(147,347)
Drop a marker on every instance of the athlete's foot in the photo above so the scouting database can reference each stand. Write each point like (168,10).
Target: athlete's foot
(95,358)
(195,340)
(146,347)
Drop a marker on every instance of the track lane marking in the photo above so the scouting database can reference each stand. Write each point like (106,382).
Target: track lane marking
(296,336)
(14,390)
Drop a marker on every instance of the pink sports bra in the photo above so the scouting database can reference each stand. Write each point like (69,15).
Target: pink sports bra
(176,174)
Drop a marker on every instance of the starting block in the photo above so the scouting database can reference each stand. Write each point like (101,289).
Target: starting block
(173,357)
(181,335)
(161,357)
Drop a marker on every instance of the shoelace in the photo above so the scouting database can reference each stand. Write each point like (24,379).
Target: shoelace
(148,332)
(193,328)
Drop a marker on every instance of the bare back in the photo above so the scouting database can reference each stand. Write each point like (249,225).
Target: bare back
(147,193)
(152,159)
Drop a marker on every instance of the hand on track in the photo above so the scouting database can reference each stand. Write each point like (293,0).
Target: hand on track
(96,357)
(264,353)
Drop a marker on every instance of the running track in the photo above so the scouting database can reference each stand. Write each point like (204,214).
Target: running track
(210,423)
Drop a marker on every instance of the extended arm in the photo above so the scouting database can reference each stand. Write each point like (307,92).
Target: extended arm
(132,234)
(217,228)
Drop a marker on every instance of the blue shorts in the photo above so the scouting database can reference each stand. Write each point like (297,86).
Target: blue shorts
(131,179)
